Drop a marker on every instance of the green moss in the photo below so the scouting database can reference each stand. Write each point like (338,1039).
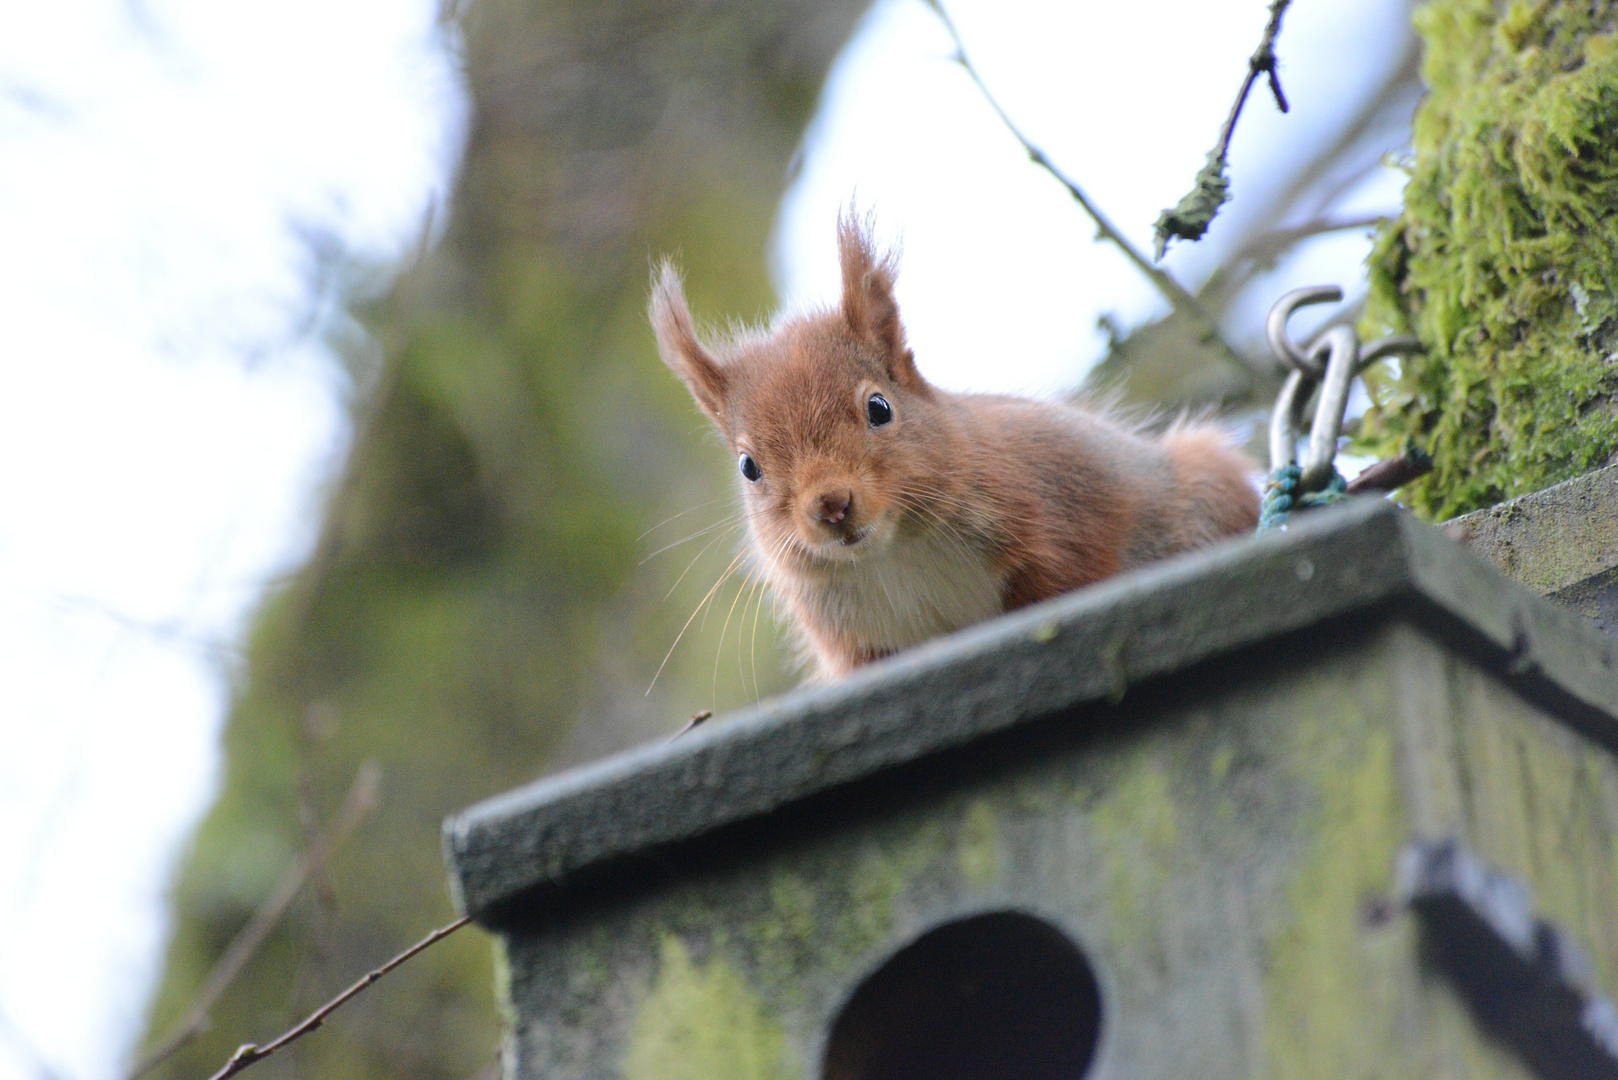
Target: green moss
(979,851)
(782,938)
(502,984)
(878,879)
(702,1022)
(821,917)
(1326,977)
(1504,259)
(1136,825)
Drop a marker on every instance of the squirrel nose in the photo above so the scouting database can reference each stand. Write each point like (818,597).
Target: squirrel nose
(832,507)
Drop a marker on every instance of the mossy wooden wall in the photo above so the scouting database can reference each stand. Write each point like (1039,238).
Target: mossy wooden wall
(1218,848)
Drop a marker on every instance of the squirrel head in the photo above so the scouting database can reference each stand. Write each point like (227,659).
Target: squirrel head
(827,415)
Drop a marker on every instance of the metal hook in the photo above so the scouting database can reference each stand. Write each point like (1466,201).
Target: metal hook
(1342,348)
(1275,327)
(1286,419)
(1331,360)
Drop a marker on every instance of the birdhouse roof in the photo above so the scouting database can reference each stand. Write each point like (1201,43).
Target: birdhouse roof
(1332,574)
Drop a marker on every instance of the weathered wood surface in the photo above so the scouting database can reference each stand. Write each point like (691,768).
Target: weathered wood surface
(1553,539)
(1366,560)
(1561,542)
(1202,774)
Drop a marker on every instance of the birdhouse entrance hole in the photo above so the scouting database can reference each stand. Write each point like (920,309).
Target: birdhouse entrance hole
(1003,996)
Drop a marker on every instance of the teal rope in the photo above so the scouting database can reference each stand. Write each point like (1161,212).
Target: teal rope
(1281,502)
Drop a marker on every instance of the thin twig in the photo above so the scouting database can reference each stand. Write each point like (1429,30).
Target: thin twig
(314,950)
(1403,83)
(1354,145)
(172,630)
(1262,62)
(360,800)
(1262,250)
(1190,218)
(1392,474)
(248,1053)
(1175,293)
(696,719)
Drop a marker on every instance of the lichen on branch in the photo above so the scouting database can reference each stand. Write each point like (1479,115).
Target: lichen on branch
(1190,217)
(1504,260)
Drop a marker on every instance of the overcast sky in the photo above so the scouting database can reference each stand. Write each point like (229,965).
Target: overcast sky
(1002,284)
(169,172)
(171,414)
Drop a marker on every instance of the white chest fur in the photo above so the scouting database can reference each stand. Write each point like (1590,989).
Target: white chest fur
(925,584)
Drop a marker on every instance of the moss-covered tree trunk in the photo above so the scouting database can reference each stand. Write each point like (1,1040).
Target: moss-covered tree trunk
(476,589)
(1505,259)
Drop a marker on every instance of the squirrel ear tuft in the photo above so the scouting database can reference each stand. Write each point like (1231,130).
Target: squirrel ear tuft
(869,306)
(677,341)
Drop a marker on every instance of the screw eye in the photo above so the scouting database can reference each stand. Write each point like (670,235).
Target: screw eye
(751,470)
(878,411)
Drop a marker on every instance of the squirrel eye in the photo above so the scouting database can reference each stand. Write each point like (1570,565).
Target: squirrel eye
(878,411)
(751,470)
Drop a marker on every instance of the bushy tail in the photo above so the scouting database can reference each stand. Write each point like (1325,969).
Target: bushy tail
(1217,492)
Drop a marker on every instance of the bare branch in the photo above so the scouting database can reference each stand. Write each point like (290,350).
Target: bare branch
(1354,141)
(1190,218)
(1262,251)
(1392,474)
(1175,293)
(1275,242)
(248,1053)
(360,800)
(696,719)
(1402,84)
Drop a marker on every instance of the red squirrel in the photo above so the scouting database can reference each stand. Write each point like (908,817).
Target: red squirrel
(884,511)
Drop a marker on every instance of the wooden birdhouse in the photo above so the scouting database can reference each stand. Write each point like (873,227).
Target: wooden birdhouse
(1338,801)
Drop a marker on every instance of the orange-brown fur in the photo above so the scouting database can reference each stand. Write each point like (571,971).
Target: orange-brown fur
(876,537)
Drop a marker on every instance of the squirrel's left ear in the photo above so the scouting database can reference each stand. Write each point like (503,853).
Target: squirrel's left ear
(869,306)
(677,341)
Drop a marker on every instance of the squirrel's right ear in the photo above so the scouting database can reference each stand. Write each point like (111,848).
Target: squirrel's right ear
(869,307)
(677,341)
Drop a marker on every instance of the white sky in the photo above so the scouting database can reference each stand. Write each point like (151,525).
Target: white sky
(163,165)
(1001,284)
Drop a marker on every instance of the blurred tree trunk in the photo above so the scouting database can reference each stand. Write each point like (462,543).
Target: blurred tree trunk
(1505,259)
(475,587)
